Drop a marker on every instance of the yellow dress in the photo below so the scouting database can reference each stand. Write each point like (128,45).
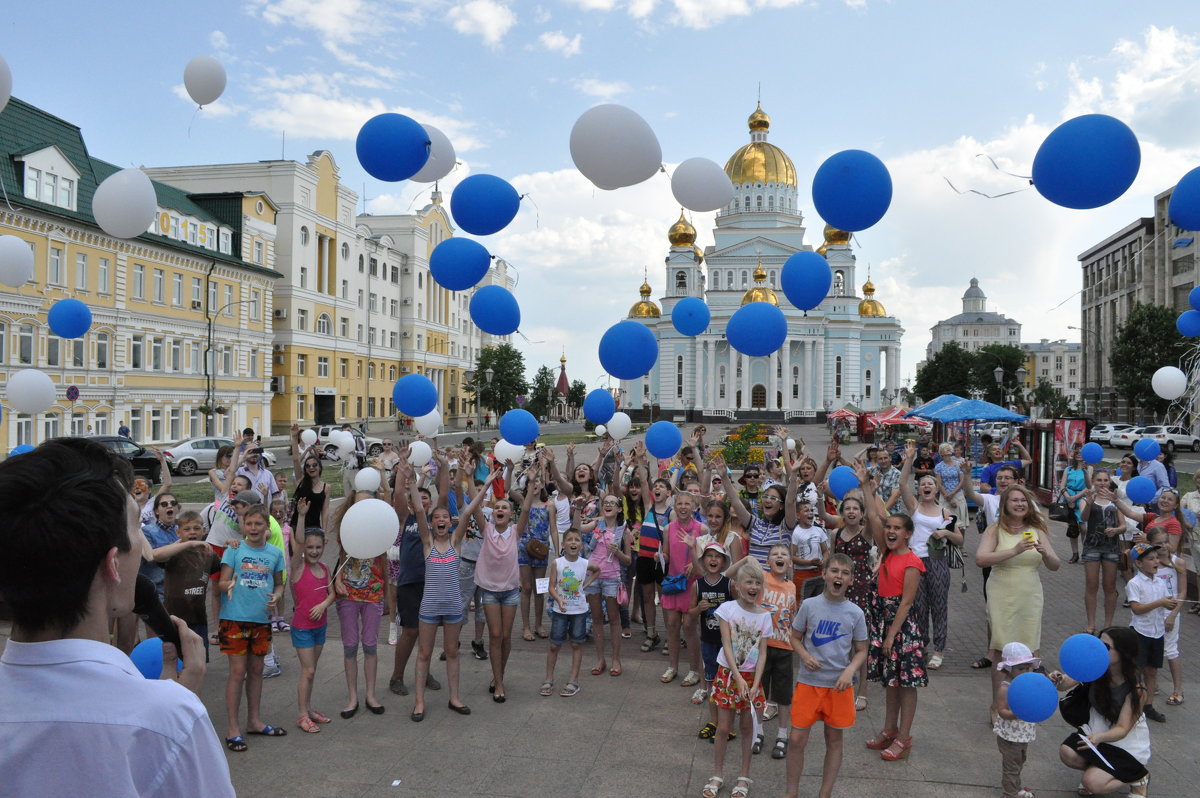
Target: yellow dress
(1015,595)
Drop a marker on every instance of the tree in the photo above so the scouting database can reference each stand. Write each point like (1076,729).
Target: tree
(983,372)
(543,384)
(1051,400)
(949,371)
(577,393)
(508,378)
(1146,342)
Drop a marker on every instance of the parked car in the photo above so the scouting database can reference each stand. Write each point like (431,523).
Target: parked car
(1126,438)
(187,457)
(1172,438)
(374,445)
(1102,433)
(997,429)
(144,461)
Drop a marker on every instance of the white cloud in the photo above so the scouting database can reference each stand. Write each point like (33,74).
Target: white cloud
(218,41)
(604,89)
(486,19)
(557,42)
(595,5)
(344,27)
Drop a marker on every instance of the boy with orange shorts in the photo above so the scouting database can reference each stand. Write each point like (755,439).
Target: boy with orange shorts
(829,635)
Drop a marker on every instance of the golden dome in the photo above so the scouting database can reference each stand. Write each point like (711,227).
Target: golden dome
(644,309)
(835,236)
(682,234)
(760,161)
(822,249)
(760,291)
(870,306)
(699,253)
(562,359)
(759,119)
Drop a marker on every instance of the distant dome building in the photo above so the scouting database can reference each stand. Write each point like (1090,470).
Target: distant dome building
(845,351)
(976,327)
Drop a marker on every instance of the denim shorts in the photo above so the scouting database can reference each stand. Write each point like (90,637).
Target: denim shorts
(604,587)
(563,625)
(1091,555)
(709,652)
(505,598)
(438,620)
(307,638)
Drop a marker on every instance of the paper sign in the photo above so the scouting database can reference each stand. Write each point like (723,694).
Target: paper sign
(542,585)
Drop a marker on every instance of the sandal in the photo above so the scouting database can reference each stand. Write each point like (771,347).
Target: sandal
(780,749)
(571,689)
(860,703)
(318,717)
(708,731)
(600,669)
(900,748)
(935,662)
(306,724)
(758,744)
(626,634)
(712,788)
(269,731)
(528,636)
(742,790)
(1024,793)
(699,696)
(981,663)
(668,676)
(881,740)
(691,680)
(547,689)
(1140,787)
(650,643)
(236,743)
(1175,699)
(615,671)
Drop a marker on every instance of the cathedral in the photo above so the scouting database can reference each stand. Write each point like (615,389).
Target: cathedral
(846,351)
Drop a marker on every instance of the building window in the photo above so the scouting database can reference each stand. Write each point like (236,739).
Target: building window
(156,422)
(156,354)
(324,324)
(81,272)
(373,302)
(176,355)
(322,367)
(302,320)
(395,308)
(679,376)
(135,352)
(745,279)
(343,367)
(795,382)
(102,276)
(24,429)
(102,350)
(359,336)
(680,280)
(52,426)
(255,300)
(867,386)
(839,283)
(229,300)
(300,406)
(716,281)
(837,377)
(54,275)
(175,426)
(345,289)
(371,370)
(391,373)
(160,282)
(226,239)
(197,291)
(344,327)
(253,362)
(177,289)
(304,277)
(194,358)
(721,382)
(76,349)
(25,344)
(374,267)
(345,251)
(258,252)
(79,422)
(301,365)
(360,298)
(52,351)
(304,236)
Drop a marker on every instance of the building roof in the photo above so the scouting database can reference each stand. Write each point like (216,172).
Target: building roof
(1052,346)
(978,317)
(974,292)
(760,161)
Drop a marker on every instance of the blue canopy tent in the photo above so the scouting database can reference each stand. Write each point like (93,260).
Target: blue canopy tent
(943,401)
(973,410)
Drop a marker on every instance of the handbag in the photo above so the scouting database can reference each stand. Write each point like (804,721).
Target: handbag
(537,549)
(1074,706)
(1059,511)
(622,593)
(672,585)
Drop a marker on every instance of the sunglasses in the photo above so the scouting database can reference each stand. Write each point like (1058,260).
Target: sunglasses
(610,504)
(752,476)
(168,504)
(387,444)
(313,465)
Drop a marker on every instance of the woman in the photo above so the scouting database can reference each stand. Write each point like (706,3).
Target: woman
(1015,547)
(306,465)
(1102,528)
(1071,487)
(1116,726)
(767,528)
(948,472)
(1168,517)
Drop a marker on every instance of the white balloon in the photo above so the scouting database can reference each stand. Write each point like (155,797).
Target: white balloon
(600,430)
(614,147)
(441,157)
(619,425)
(342,439)
(204,79)
(505,451)
(30,391)
(367,480)
(5,83)
(16,261)
(124,204)
(701,185)
(428,424)
(791,444)
(369,528)
(308,437)
(419,453)
(1169,383)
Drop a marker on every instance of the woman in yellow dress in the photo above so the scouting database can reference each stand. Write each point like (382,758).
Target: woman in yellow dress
(1015,546)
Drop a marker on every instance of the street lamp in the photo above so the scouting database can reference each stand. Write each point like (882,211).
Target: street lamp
(472,375)
(210,378)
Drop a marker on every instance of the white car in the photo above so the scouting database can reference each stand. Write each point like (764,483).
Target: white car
(1102,433)
(1172,438)
(1126,438)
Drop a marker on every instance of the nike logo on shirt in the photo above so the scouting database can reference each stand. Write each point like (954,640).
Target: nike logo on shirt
(826,632)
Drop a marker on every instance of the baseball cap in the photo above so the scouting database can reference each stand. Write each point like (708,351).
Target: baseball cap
(718,548)
(248,497)
(1017,654)
(1141,549)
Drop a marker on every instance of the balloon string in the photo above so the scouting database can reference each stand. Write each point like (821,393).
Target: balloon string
(196,113)
(6,200)
(537,215)
(980,193)
(996,166)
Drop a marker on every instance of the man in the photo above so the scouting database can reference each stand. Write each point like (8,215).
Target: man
(261,478)
(76,717)
(750,479)
(995,457)
(887,479)
(123,430)
(1156,472)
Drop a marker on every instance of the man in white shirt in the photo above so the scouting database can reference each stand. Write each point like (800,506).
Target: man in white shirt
(76,716)
(261,478)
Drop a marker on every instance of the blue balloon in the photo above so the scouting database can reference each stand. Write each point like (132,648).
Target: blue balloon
(1190,517)
(495,311)
(852,190)
(757,329)
(663,440)
(1032,697)
(519,427)
(415,395)
(690,316)
(459,263)
(147,657)
(1188,323)
(599,406)
(1083,657)
(1140,490)
(1184,207)
(1194,298)
(805,279)
(842,480)
(69,318)
(484,204)
(1147,449)
(392,147)
(24,448)
(628,350)
(1087,162)
(1092,453)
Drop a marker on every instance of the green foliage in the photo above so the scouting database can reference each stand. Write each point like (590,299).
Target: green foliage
(983,374)
(739,444)
(949,371)
(1146,341)
(508,378)
(1052,401)
(543,385)
(577,393)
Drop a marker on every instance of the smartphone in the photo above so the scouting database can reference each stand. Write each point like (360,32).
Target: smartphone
(1029,535)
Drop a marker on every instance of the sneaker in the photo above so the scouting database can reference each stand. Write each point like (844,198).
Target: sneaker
(393,634)
(477,650)
(271,672)
(1154,715)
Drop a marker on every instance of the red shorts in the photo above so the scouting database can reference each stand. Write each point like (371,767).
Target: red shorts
(220,552)
(724,691)
(239,638)
(811,704)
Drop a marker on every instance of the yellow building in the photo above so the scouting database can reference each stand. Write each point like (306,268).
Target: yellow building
(180,339)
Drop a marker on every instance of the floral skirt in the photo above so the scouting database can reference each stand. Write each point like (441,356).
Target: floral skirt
(903,665)
(725,695)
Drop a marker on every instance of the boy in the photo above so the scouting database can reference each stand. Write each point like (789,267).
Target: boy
(1173,573)
(810,545)
(251,587)
(1150,601)
(568,575)
(711,591)
(826,630)
(188,573)
(779,599)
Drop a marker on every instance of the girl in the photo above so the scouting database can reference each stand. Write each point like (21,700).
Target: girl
(1013,735)
(657,500)
(222,473)
(311,597)
(679,541)
(442,600)
(720,529)
(541,514)
(1071,487)
(359,586)
(763,530)
(1116,725)
(582,488)
(896,655)
(929,542)
(745,628)
(1102,526)
(711,590)
(853,541)
(610,550)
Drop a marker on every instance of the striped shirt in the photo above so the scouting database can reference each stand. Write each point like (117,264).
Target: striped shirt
(443,594)
(763,535)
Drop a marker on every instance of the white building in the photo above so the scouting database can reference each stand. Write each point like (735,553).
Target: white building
(976,327)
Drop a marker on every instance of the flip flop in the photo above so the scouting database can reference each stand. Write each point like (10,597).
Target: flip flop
(236,743)
(600,669)
(269,731)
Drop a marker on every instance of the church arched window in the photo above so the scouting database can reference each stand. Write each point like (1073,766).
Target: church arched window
(745,279)
(837,377)
(679,377)
(867,386)
(758,202)
(739,367)
(771,202)
(721,382)
(795,382)
(680,280)
(771,277)
(839,283)
(747,203)
(716,281)
(729,280)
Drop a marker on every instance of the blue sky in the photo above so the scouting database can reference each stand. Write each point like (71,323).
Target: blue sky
(925,86)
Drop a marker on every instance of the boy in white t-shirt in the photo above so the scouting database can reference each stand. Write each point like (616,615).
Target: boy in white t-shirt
(810,546)
(1172,572)
(568,575)
(1150,602)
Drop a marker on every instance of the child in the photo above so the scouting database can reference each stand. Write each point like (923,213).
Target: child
(1173,573)
(711,591)
(568,576)
(1150,602)
(829,636)
(678,540)
(745,629)
(610,550)
(251,586)
(312,595)
(810,547)
(1013,735)
(779,599)
(279,516)
(359,587)
(187,574)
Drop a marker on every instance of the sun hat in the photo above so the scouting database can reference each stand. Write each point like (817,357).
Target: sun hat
(1017,654)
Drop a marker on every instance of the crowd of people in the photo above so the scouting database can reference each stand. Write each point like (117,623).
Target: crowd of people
(779,602)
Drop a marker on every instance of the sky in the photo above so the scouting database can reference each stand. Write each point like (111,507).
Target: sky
(928,87)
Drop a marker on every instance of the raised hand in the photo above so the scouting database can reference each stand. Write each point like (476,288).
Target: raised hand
(570,448)
(302,505)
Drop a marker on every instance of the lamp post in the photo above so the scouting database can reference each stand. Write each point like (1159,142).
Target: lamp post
(210,378)
(1021,373)
(472,376)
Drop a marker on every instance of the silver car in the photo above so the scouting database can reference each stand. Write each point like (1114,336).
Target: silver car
(187,457)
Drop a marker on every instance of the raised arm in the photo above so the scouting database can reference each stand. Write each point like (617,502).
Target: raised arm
(443,479)
(533,486)
(564,487)
(793,485)
(400,495)
(474,507)
(1128,510)
(1026,460)
(906,490)
(414,500)
(735,501)
(968,486)
(297,554)
(222,485)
